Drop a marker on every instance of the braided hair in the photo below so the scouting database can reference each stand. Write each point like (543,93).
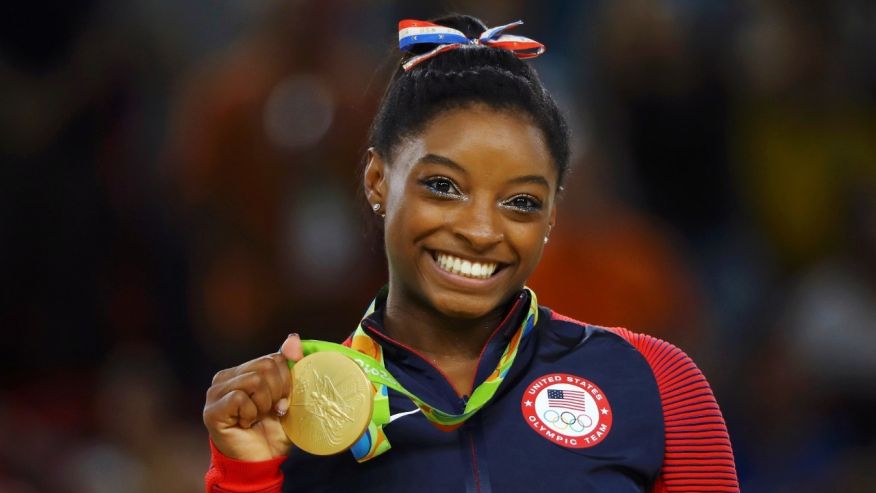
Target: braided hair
(468,75)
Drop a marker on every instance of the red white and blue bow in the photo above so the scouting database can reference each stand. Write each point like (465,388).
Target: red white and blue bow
(413,32)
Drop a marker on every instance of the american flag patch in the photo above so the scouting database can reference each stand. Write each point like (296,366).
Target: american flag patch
(567,399)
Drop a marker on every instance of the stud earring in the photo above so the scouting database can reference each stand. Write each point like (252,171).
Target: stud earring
(376,207)
(545,240)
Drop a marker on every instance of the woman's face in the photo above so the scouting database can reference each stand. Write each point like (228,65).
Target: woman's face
(468,203)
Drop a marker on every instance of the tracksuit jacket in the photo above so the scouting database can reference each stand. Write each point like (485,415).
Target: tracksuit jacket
(582,408)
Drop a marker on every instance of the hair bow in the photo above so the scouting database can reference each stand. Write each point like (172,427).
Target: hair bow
(413,32)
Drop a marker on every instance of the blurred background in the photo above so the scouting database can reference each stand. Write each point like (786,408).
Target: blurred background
(179,190)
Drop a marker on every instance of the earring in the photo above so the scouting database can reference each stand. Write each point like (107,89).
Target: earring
(376,208)
(545,240)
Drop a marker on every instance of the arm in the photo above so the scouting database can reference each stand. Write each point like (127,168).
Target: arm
(698,456)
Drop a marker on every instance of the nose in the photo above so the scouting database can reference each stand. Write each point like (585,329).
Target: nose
(479,225)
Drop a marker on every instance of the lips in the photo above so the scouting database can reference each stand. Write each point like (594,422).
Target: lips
(472,269)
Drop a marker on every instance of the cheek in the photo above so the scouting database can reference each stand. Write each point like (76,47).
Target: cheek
(529,242)
(412,219)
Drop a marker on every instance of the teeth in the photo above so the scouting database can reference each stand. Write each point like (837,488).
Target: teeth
(465,268)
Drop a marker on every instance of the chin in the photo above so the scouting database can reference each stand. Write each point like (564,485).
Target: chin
(465,306)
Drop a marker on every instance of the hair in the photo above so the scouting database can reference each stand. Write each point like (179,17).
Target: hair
(468,75)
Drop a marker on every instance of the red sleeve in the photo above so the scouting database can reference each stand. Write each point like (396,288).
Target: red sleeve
(227,475)
(698,456)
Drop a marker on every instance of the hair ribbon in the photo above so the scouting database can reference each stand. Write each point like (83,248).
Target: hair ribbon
(413,32)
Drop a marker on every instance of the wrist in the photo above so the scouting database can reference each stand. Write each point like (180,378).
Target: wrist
(234,475)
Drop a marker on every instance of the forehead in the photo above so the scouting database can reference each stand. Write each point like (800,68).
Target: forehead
(484,141)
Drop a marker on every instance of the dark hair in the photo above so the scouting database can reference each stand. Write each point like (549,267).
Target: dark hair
(457,78)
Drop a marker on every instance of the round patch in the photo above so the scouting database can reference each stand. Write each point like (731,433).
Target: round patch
(567,410)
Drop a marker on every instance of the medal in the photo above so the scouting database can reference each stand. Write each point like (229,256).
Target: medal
(330,404)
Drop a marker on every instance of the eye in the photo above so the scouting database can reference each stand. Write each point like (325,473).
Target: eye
(524,203)
(440,185)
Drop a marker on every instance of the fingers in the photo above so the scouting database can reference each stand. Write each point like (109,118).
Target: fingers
(271,370)
(247,393)
(243,411)
(279,382)
(291,348)
(232,409)
(251,384)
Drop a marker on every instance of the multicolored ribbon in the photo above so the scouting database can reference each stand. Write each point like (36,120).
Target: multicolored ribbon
(413,32)
(369,355)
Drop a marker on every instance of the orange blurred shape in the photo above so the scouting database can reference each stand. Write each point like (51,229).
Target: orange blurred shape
(616,269)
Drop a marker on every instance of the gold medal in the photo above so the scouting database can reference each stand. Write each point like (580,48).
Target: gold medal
(330,404)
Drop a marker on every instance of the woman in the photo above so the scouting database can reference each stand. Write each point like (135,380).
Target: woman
(468,152)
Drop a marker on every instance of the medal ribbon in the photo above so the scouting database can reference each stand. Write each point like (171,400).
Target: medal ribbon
(368,354)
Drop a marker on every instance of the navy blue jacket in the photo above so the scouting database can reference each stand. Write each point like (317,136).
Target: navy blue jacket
(583,408)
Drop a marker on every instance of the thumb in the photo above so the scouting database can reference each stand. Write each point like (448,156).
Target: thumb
(291,347)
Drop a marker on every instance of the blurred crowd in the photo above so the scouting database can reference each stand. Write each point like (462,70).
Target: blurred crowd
(179,189)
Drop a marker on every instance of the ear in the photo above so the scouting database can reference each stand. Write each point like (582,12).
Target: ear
(374,178)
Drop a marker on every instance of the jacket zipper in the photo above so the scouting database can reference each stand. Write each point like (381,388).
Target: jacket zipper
(474,461)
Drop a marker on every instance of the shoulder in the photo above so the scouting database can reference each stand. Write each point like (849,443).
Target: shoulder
(698,453)
(681,384)
(665,360)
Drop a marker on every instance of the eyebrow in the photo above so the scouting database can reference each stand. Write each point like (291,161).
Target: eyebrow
(534,179)
(446,161)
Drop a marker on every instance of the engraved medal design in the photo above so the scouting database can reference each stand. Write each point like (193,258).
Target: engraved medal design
(330,404)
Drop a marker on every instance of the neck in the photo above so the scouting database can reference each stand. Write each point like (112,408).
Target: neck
(440,337)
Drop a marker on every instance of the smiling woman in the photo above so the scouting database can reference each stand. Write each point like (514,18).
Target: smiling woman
(468,152)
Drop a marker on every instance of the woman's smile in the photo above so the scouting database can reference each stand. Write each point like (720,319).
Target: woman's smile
(464,273)
(464,267)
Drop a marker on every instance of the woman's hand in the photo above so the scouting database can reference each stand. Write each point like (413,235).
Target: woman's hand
(244,405)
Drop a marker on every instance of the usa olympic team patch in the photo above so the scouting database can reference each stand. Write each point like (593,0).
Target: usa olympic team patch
(567,410)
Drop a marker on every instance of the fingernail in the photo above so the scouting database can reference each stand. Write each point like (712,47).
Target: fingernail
(282,407)
(291,334)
